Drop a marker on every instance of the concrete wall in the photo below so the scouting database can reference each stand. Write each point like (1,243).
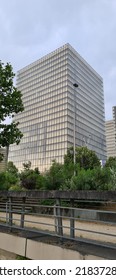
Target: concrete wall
(96,215)
(57,194)
(11,245)
(43,251)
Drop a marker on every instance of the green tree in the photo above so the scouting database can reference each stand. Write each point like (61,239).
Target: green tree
(85,158)
(10,177)
(90,179)
(55,176)
(68,170)
(10,104)
(7,180)
(29,178)
(84,180)
(11,168)
(102,178)
(111,162)
(27,165)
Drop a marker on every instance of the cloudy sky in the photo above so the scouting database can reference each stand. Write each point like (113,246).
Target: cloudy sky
(29,29)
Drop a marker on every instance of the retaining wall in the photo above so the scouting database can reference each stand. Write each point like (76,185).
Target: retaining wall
(12,245)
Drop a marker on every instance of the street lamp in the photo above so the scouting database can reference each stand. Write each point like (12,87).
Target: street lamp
(87,140)
(75,85)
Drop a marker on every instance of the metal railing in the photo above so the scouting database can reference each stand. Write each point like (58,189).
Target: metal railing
(57,220)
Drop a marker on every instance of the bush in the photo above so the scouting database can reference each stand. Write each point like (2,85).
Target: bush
(84,180)
(12,169)
(111,162)
(55,176)
(15,188)
(102,178)
(3,182)
(7,179)
(67,185)
(42,182)
(28,179)
(96,179)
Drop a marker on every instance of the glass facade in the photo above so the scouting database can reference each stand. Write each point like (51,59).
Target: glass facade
(51,103)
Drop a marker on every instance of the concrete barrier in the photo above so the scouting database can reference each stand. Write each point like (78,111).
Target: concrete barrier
(12,243)
(37,250)
(95,215)
(43,251)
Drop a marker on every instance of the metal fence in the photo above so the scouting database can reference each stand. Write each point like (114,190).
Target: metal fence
(56,220)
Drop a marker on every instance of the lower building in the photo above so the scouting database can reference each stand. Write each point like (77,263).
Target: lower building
(3,163)
(111,135)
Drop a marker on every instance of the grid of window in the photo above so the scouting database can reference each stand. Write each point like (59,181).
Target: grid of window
(88,103)
(48,97)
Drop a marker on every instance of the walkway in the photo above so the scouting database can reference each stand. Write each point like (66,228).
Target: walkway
(100,231)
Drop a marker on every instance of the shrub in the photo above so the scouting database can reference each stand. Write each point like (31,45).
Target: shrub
(15,188)
(102,178)
(84,180)
(7,179)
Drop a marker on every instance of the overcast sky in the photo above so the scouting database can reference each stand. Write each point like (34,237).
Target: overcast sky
(29,29)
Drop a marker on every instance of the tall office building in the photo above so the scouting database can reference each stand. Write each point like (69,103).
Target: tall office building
(56,110)
(111,135)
